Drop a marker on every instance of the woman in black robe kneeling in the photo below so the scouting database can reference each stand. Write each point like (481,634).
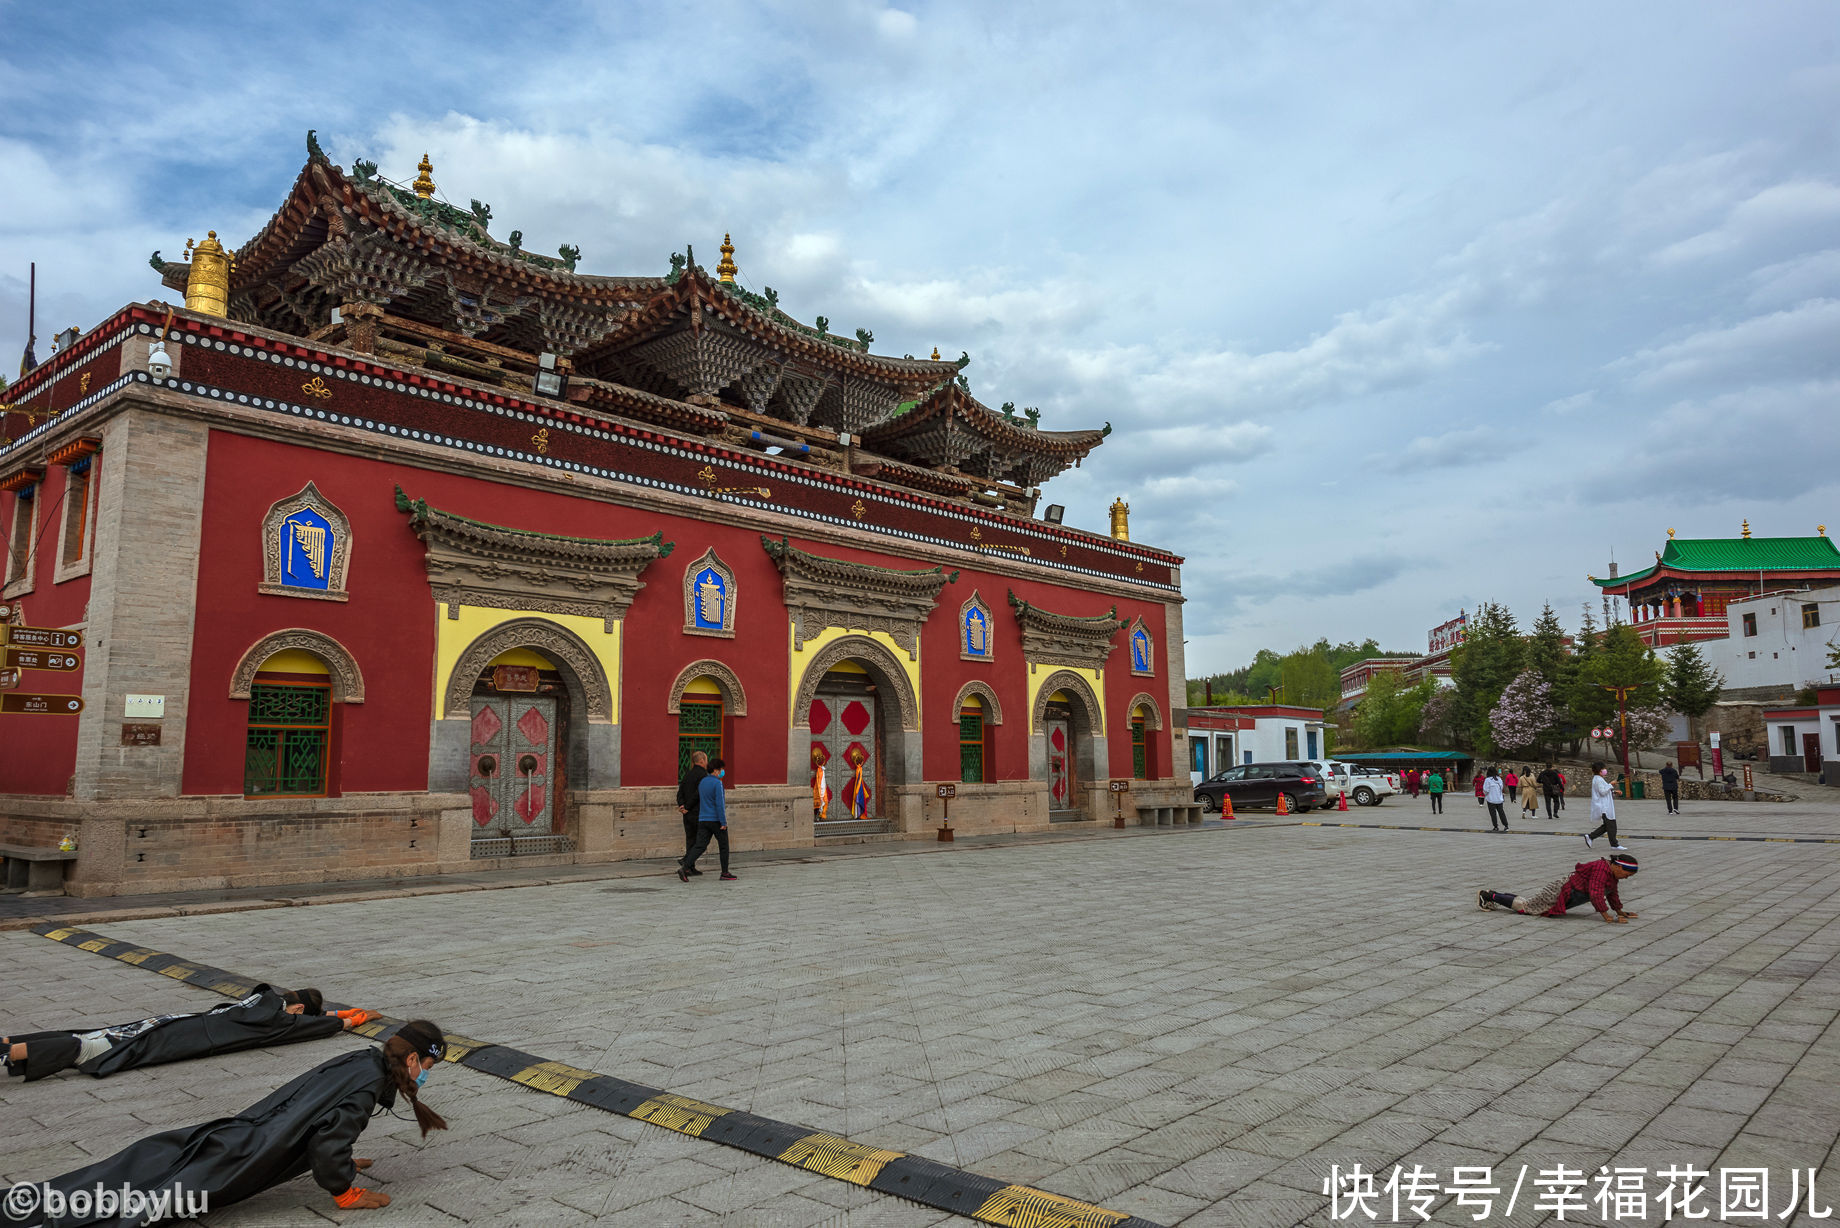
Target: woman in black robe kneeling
(308,1125)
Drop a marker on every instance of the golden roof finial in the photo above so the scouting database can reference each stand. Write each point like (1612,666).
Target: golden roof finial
(207,283)
(1670,535)
(726,269)
(1121,519)
(1821,529)
(1747,528)
(935,353)
(424,185)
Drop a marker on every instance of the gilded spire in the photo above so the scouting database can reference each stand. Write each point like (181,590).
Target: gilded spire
(1670,534)
(1121,520)
(726,270)
(1747,529)
(207,284)
(935,353)
(1821,529)
(424,184)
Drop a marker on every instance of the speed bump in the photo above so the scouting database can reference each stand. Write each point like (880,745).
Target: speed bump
(880,1169)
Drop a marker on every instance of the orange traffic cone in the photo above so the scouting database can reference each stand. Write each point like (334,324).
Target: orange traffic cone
(1341,801)
(1226,806)
(1282,808)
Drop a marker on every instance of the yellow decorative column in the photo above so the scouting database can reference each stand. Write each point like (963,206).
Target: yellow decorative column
(1121,520)
(207,285)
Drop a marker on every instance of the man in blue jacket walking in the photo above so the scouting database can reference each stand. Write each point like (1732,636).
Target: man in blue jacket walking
(711,822)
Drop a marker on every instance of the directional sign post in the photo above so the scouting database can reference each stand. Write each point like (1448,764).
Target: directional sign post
(24,703)
(946,793)
(38,658)
(40,637)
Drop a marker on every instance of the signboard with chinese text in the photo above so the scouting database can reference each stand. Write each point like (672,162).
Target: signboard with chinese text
(25,703)
(40,637)
(1446,636)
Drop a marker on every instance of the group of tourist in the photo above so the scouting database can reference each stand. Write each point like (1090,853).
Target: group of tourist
(307,1125)
(1496,788)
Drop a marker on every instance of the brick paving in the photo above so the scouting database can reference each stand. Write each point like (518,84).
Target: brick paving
(1188,1026)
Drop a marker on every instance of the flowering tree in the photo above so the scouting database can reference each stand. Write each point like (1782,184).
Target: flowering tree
(1648,725)
(1525,715)
(1434,720)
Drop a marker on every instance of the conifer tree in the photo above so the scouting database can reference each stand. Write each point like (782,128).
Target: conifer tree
(1482,668)
(1691,685)
(1546,646)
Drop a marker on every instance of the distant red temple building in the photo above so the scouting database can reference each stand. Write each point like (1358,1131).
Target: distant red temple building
(1683,596)
(400,549)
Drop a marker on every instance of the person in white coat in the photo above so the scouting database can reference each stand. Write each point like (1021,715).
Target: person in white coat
(1493,795)
(1603,807)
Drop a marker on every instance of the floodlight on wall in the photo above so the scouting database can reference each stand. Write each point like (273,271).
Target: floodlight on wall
(1054,513)
(550,382)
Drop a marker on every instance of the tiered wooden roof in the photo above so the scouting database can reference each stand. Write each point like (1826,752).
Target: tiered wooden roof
(357,261)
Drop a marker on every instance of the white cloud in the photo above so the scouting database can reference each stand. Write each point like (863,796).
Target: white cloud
(1468,445)
(1794,342)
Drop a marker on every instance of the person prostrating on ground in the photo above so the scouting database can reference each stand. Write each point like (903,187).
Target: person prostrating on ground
(712,822)
(1603,807)
(306,1125)
(1590,882)
(264,1018)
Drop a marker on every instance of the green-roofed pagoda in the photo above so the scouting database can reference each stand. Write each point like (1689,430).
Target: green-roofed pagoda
(1682,597)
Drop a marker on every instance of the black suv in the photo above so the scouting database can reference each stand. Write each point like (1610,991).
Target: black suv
(1258,784)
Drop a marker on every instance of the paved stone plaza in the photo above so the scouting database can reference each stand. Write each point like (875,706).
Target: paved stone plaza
(1188,1026)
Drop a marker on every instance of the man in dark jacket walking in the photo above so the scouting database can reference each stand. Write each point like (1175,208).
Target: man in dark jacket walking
(1551,786)
(712,823)
(689,799)
(1670,787)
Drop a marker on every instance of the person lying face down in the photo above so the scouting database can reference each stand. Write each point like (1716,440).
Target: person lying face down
(307,1125)
(267,1016)
(1590,882)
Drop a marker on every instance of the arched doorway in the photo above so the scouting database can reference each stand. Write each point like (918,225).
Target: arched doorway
(1067,745)
(858,736)
(526,718)
(518,718)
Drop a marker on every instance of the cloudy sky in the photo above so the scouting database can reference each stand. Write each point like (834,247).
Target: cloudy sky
(1394,308)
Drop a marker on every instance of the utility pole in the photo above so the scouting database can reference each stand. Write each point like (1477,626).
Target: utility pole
(1622,716)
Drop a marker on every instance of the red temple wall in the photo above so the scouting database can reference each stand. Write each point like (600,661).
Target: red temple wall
(38,754)
(388,626)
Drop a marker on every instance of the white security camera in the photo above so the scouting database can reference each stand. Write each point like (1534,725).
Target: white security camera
(159,363)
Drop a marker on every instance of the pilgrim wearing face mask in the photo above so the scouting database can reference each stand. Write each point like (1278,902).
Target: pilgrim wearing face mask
(712,822)
(308,1125)
(266,1017)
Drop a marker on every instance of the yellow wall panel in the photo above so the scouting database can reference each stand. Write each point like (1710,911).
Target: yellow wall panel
(453,635)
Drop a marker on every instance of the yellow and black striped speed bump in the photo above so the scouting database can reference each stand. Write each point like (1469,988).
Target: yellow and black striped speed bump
(1522,831)
(887,1172)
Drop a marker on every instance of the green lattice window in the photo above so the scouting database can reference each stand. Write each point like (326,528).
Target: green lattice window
(699,727)
(971,745)
(1140,750)
(289,729)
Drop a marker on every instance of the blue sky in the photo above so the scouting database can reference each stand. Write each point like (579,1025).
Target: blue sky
(1394,308)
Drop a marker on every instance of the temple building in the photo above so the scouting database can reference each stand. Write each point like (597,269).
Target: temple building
(1682,598)
(400,549)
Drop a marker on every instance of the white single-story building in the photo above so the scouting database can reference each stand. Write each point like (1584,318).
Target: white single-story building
(1221,737)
